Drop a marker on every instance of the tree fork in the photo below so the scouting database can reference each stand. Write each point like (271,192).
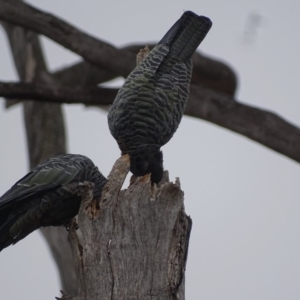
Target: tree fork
(134,242)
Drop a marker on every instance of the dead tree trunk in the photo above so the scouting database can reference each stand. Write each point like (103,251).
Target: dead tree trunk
(44,124)
(134,242)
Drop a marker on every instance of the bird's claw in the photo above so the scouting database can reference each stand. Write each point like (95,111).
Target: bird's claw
(72,224)
(64,296)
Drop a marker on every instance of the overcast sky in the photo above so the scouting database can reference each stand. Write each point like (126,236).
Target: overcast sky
(242,197)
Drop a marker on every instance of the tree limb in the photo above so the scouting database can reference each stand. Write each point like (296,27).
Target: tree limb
(262,126)
(91,49)
(257,124)
(210,72)
(114,62)
(57,94)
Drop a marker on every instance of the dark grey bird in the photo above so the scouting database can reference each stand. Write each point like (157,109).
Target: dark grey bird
(149,106)
(47,196)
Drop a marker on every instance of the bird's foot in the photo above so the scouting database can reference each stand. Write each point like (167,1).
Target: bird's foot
(64,296)
(72,224)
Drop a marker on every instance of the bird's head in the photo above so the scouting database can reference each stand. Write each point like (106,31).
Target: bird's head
(147,160)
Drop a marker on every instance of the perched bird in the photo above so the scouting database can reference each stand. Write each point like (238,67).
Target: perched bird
(149,106)
(47,196)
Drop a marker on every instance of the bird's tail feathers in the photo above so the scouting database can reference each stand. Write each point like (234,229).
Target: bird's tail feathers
(186,34)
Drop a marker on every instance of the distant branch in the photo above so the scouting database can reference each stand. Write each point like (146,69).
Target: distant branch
(262,126)
(257,124)
(113,62)
(90,48)
(57,94)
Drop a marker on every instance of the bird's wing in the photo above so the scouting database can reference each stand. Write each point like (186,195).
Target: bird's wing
(42,178)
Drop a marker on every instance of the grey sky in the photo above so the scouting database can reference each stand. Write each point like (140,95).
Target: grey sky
(242,197)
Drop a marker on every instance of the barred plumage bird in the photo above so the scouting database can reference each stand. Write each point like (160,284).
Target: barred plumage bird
(47,196)
(150,104)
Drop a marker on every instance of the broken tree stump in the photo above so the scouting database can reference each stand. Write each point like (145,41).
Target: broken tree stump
(134,243)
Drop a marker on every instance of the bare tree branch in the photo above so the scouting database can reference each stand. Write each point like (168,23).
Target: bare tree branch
(57,94)
(209,72)
(91,49)
(83,73)
(116,62)
(257,124)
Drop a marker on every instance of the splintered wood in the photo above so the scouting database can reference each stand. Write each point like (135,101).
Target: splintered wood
(136,248)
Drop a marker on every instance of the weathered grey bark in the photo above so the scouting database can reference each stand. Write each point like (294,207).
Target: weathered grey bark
(134,243)
(45,135)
